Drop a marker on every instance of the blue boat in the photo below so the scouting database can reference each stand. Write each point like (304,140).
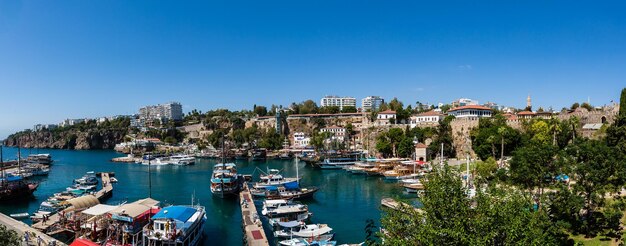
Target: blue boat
(176,225)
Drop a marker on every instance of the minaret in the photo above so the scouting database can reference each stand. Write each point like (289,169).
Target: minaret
(528,104)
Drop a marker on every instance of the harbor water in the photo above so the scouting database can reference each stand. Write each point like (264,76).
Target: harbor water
(344,202)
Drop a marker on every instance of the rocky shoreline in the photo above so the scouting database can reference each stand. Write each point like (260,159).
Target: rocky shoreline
(79,140)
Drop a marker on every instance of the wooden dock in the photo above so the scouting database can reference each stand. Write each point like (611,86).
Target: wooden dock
(51,223)
(22,228)
(393,204)
(252,225)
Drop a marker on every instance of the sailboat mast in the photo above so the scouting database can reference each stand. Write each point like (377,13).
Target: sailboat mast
(297,172)
(149,177)
(19,160)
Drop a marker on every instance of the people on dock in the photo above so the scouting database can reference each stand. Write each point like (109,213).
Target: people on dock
(27,238)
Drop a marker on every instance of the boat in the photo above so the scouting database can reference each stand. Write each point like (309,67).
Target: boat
(300,229)
(283,210)
(45,159)
(272,192)
(14,187)
(413,187)
(182,160)
(19,215)
(46,208)
(285,156)
(176,225)
(40,171)
(336,162)
(157,161)
(259,154)
(304,242)
(273,178)
(225,181)
(88,179)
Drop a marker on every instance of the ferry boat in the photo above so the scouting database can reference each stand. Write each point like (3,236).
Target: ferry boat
(359,167)
(182,160)
(336,162)
(176,225)
(225,181)
(45,159)
(304,242)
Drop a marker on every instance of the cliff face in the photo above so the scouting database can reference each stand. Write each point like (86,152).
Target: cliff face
(90,139)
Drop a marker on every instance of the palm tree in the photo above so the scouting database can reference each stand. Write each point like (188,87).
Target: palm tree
(503,131)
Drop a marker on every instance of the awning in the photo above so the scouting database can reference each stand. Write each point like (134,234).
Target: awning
(83,202)
(83,242)
(99,209)
(289,224)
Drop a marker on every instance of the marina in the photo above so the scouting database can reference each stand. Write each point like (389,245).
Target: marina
(340,193)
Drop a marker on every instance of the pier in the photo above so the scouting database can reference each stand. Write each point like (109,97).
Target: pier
(252,226)
(50,226)
(22,228)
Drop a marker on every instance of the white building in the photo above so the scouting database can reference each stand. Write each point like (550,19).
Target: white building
(338,101)
(169,111)
(40,127)
(337,133)
(301,140)
(71,122)
(426,118)
(372,103)
(383,117)
(471,111)
(464,102)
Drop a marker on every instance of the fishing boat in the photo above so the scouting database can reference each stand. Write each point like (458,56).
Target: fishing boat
(300,229)
(19,215)
(14,187)
(304,242)
(336,162)
(46,208)
(413,187)
(176,225)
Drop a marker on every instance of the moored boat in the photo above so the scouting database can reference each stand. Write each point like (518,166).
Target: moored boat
(176,225)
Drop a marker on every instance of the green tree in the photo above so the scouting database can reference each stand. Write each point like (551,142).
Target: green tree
(443,135)
(575,106)
(260,110)
(348,109)
(534,166)
(598,171)
(587,106)
(499,216)
(308,107)
(486,170)
(170,140)
(9,237)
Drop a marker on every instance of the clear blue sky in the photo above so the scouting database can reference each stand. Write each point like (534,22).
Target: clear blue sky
(71,59)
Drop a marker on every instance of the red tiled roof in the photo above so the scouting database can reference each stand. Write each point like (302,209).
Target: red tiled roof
(420,145)
(478,107)
(388,111)
(525,113)
(322,115)
(510,116)
(430,113)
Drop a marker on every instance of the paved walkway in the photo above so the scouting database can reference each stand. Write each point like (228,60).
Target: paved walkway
(22,228)
(252,225)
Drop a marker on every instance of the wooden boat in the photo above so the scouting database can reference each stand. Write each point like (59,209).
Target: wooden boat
(301,193)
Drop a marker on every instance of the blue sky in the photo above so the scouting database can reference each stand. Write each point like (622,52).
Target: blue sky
(71,59)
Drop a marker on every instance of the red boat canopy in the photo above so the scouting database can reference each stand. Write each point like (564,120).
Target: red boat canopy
(83,242)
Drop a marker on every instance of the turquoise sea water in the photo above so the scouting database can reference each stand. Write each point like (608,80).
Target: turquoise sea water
(344,201)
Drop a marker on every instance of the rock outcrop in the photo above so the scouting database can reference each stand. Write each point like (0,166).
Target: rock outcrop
(73,139)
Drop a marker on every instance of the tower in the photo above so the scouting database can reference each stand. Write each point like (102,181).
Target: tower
(528,104)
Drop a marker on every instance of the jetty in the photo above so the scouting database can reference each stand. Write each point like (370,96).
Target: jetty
(50,226)
(22,228)
(253,234)
(393,204)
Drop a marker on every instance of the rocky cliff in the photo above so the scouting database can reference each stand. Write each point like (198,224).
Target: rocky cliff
(73,139)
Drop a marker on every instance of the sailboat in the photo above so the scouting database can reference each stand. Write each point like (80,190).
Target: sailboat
(14,187)
(225,181)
